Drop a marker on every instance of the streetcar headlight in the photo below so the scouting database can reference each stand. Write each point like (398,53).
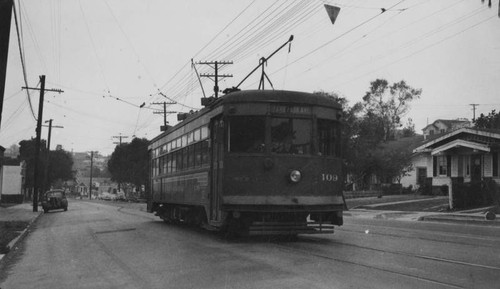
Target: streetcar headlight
(295,176)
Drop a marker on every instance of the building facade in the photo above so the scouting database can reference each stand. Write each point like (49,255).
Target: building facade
(465,154)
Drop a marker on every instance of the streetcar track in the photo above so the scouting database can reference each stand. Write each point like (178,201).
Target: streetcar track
(114,231)
(136,278)
(444,260)
(490,238)
(309,253)
(451,235)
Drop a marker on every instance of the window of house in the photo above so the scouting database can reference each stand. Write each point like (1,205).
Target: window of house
(431,132)
(495,164)
(467,165)
(442,165)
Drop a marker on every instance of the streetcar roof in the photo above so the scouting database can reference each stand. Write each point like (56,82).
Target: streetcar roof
(255,96)
(279,96)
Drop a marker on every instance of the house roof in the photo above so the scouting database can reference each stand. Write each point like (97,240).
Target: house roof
(447,122)
(481,139)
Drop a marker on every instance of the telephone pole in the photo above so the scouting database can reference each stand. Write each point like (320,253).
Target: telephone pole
(216,75)
(164,112)
(118,143)
(45,178)
(5,19)
(119,137)
(38,138)
(91,166)
(474,110)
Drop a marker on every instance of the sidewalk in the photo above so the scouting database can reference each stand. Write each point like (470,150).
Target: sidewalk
(376,211)
(22,216)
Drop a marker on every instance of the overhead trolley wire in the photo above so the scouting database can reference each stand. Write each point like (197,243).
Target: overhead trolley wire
(404,45)
(338,37)
(93,45)
(23,63)
(422,49)
(130,43)
(24,18)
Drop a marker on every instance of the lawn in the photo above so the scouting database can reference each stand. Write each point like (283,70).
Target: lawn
(428,205)
(9,230)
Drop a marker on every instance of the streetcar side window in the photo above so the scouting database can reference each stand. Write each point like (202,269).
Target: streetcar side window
(328,137)
(205,151)
(291,136)
(247,134)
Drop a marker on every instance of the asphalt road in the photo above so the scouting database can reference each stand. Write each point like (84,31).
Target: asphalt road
(95,245)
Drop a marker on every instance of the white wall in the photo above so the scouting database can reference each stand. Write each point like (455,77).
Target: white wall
(419,160)
(11,180)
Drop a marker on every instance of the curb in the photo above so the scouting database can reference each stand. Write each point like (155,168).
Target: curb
(468,220)
(12,244)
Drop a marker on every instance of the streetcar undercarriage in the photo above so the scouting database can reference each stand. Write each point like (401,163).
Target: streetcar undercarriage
(259,222)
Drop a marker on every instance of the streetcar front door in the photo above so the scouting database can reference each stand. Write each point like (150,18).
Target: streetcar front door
(217,166)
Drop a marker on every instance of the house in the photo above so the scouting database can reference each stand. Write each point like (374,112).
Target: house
(10,179)
(416,176)
(462,155)
(444,125)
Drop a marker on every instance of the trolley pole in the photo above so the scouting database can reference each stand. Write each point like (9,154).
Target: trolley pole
(216,75)
(38,138)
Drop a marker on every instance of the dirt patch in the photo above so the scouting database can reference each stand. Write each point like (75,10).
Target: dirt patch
(9,230)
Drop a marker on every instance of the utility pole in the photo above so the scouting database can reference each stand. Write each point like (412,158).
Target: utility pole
(5,19)
(45,178)
(91,166)
(119,143)
(216,74)
(164,112)
(38,138)
(119,137)
(474,110)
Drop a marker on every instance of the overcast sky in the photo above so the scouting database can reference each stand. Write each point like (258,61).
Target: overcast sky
(111,56)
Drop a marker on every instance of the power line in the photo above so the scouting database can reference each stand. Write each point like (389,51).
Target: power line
(421,50)
(23,64)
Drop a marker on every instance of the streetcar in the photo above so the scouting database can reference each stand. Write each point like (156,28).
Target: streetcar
(255,162)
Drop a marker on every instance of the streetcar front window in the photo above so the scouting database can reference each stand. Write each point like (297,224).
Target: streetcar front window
(291,136)
(328,137)
(247,134)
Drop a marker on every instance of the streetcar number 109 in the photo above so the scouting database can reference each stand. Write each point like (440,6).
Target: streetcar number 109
(329,177)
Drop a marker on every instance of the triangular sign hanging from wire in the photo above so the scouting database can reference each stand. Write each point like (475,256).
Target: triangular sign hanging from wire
(333,12)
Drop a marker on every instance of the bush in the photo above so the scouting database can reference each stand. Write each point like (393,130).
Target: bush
(473,195)
(391,189)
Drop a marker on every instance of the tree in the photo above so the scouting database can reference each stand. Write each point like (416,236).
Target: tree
(490,121)
(368,125)
(12,151)
(129,162)
(27,154)
(389,104)
(60,167)
(60,164)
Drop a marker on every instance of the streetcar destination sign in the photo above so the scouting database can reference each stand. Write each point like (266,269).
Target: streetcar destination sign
(290,109)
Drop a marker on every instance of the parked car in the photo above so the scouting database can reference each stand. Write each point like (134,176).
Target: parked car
(53,200)
(120,196)
(107,196)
